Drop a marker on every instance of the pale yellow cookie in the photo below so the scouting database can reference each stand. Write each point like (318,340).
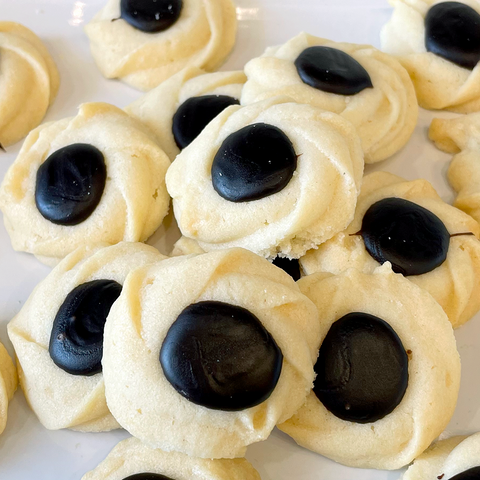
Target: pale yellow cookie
(439,83)
(433,371)
(60,399)
(317,202)
(157,108)
(202,37)
(132,457)
(146,403)
(29,82)
(385,115)
(8,384)
(455,284)
(134,200)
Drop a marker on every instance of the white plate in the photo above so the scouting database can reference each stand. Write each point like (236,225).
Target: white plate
(27,450)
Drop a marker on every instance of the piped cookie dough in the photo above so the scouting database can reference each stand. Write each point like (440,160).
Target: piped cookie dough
(407,224)
(275,177)
(205,354)
(29,82)
(181,107)
(360,83)
(58,335)
(388,371)
(96,177)
(8,384)
(438,42)
(145,42)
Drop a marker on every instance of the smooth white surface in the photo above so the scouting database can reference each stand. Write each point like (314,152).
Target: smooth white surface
(27,450)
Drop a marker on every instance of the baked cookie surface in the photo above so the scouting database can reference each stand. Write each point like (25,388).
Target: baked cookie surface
(202,35)
(360,83)
(96,177)
(229,386)
(8,384)
(29,82)
(58,335)
(274,177)
(428,244)
(381,409)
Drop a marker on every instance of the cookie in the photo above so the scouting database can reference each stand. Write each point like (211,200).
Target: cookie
(383,389)
(131,459)
(29,82)
(144,43)
(58,335)
(360,83)
(274,177)
(456,458)
(8,384)
(461,136)
(182,106)
(438,42)
(96,177)
(205,354)
(434,244)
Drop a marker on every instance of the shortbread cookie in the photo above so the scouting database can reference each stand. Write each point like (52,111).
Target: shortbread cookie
(96,177)
(58,335)
(462,136)
(205,354)
(273,177)
(360,83)
(457,458)
(388,371)
(144,43)
(132,460)
(182,106)
(438,42)
(432,243)
(29,82)
(8,384)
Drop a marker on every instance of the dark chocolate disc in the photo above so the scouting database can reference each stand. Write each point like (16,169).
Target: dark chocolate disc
(292,267)
(151,16)
(410,237)
(452,31)
(470,474)
(220,356)
(331,70)
(195,114)
(252,163)
(147,476)
(76,342)
(362,369)
(70,184)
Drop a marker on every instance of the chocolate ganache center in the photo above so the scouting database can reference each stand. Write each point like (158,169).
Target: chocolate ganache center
(151,16)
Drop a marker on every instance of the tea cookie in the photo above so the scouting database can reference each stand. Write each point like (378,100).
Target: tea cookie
(438,42)
(406,223)
(360,83)
(145,42)
(461,136)
(383,389)
(205,354)
(8,384)
(274,177)
(182,106)
(58,335)
(29,82)
(96,177)
(133,460)
(457,458)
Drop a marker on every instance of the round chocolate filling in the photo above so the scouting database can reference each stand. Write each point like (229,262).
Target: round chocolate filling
(76,341)
(151,16)
(70,184)
(220,356)
(452,31)
(362,369)
(470,474)
(257,161)
(292,267)
(332,71)
(410,237)
(147,476)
